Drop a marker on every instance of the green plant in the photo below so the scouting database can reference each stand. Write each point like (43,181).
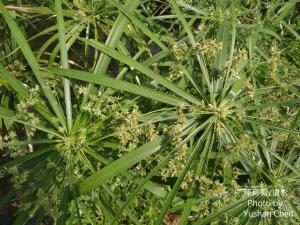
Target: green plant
(186,124)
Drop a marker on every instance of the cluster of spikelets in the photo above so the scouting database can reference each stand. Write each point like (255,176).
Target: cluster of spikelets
(24,113)
(88,10)
(131,132)
(100,105)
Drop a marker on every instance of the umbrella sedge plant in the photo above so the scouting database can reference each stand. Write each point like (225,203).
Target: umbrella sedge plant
(189,114)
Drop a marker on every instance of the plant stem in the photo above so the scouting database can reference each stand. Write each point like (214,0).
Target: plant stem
(64,61)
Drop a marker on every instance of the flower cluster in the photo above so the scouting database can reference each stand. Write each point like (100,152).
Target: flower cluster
(87,10)
(175,73)
(188,179)
(25,113)
(129,130)
(245,143)
(52,83)
(250,88)
(208,187)
(100,105)
(236,62)
(17,68)
(19,177)
(181,50)
(209,45)
(71,144)
(12,149)
(270,113)
(176,164)
(80,5)
(274,63)
(81,90)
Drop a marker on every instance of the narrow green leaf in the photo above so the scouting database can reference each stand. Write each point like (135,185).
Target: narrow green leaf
(9,114)
(271,126)
(184,218)
(147,185)
(205,153)
(37,10)
(144,69)
(4,112)
(6,198)
(106,208)
(63,206)
(291,30)
(21,219)
(64,60)
(140,25)
(270,32)
(120,165)
(26,158)
(211,217)
(37,141)
(119,85)
(223,37)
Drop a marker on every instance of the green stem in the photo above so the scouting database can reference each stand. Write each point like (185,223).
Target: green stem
(64,61)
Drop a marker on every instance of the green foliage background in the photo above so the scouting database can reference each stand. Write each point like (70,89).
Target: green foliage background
(150,112)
